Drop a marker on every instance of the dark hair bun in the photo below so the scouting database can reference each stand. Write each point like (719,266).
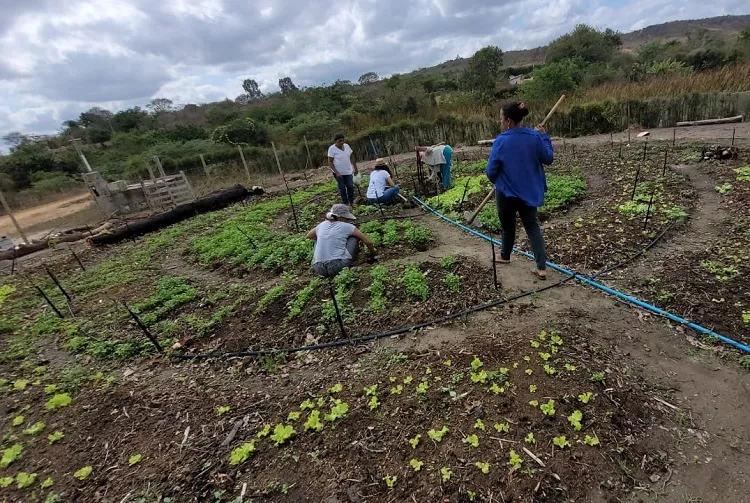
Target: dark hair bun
(515,111)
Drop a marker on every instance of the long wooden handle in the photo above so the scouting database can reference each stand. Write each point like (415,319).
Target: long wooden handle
(559,102)
(481,206)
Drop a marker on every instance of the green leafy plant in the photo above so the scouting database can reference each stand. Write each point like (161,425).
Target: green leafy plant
(476,364)
(479,424)
(242,453)
(452,282)
(514,460)
(371,390)
(373,403)
(448,262)
(723,188)
(24,479)
(408,379)
(555,339)
(416,464)
(743,174)
(549,370)
(437,435)
(545,356)
(483,467)
(445,473)
(390,481)
(418,237)
(49,389)
(591,440)
(57,401)
(55,437)
(272,295)
(293,416)
(397,390)
(18,420)
(598,377)
(532,388)
(298,303)
(378,289)
(416,284)
(529,439)
(570,368)
(48,482)
(414,441)
(313,421)
(479,377)
(535,344)
(534,403)
(586,397)
(6,481)
(502,427)
(34,429)
(20,384)
(472,440)
(575,419)
(307,405)
(282,433)
(223,409)
(548,409)
(264,432)
(336,388)
(10,455)
(561,442)
(83,473)
(338,411)
(135,459)
(497,389)
(422,387)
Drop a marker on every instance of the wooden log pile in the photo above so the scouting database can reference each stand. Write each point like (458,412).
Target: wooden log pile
(719,152)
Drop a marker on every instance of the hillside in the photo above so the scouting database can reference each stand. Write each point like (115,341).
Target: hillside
(724,27)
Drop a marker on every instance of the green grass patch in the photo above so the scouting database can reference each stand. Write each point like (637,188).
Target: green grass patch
(171,293)
(415,284)
(378,297)
(303,297)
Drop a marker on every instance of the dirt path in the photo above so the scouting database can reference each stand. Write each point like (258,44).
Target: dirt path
(32,218)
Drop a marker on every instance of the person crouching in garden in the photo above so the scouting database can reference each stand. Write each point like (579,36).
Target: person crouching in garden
(337,242)
(344,166)
(382,189)
(516,169)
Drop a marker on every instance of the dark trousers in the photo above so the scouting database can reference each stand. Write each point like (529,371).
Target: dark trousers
(507,208)
(346,188)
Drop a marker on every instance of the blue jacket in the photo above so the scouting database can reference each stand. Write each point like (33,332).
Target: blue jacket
(516,164)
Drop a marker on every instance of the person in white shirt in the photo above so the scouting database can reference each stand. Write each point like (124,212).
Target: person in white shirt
(344,167)
(337,242)
(382,189)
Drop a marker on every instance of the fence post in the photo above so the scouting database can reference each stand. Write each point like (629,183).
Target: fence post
(158,166)
(187,182)
(13,217)
(205,168)
(244,163)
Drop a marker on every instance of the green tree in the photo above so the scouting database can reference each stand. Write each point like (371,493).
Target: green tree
(14,139)
(160,105)
(241,131)
(132,118)
(742,45)
(96,116)
(485,68)
(287,86)
(368,78)
(586,43)
(97,134)
(550,81)
(252,89)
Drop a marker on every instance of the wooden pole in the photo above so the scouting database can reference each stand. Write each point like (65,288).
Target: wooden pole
(309,157)
(158,166)
(13,218)
(291,200)
(244,163)
(205,168)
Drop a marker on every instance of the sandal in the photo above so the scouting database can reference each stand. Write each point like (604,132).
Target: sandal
(502,261)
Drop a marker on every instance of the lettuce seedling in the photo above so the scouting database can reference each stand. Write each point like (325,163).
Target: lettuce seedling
(561,442)
(416,464)
(282,433)
(437,435)
(484,467)
(472,440)
(415,441)
(242,453)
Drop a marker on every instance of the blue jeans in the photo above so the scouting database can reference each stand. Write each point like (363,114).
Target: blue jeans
(346,188)
(507,208)
(445,174)
(388,195)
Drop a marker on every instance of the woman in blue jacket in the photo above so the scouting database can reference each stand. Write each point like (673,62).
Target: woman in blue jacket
(516,168)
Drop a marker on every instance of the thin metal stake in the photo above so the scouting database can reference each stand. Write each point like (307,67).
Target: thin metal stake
(664,170)
(494,264)
(144,329)
(132,235)
(13,262)
(635,183)
(461,204)
(645,145)
(291,201)
(620,148)
(648,211)
(336,307)
(674,136)
(41,292)
(611,141)
(252,243)
(57,283)
(414,181)
(380,207)
(734,132)
(77,259)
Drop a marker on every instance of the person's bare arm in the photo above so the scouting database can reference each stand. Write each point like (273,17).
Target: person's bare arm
(390,182)
(354,162)
(367,241)
(333,167)
(312,235)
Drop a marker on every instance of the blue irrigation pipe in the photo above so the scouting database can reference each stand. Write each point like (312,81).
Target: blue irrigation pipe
(588,281)
(374,150)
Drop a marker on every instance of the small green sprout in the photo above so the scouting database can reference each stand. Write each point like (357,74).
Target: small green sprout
(532,388)
(307,404)
(18,420)
(48,482)
(437,435)
(496,389)
(338,411)
(550,370)
(58,400)
(397,390)
(135,459)
(49,389)
(24,479)
(586,397)
(548,409)
(561,442)
(390,481)
(11,454)
(528,372)
(6,481)
(535,344)
(515,461)
(55,437)
(408,379)
(282,433)
(592,441)
(336,388)
(371,390)
(223,409)
(542,335)
(476,364)
(242,453)
(472,440)
(479,377)
(484,467)
(416,464)
(545,356)
(570,368)
(575,420)
(294,416)
(598,377)
(479,424)
(447,363)
(445,473)
(20,384)
(83,473)
(264,432)
(373,403)
(34,429)
(529,439)
(313,421)
(422,387)
(415,441)
(534,403)
(502,427)
(556,340)
(527,359)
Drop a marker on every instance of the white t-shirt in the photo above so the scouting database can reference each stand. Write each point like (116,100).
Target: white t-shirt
(341,158)
(378,183)
(331,241)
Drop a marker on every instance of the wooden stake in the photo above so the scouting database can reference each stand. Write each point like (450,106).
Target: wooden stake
(734,132)
(13,218)
(635,183)
(336,307)
(57,283)
(47,299)
(77,259)
(494,263)
(291,201)
(309,158)
(205,168)
(648,212)
(461,204)
(244,163)
(144,329)
(159,166)
(674,136)
(664,170)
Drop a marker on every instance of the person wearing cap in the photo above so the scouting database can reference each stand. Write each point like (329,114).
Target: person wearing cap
(440,160)
(382,189)
(343,166)
(337,242)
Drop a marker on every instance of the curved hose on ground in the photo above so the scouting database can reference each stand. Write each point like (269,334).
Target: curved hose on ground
(589,281)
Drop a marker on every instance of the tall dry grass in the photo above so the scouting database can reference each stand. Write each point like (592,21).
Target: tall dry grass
(734,78)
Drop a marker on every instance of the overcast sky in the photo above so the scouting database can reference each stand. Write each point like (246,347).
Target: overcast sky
(60,58)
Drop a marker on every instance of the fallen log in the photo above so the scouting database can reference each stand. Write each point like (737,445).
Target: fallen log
(35,246)
(211,202)
(710,122)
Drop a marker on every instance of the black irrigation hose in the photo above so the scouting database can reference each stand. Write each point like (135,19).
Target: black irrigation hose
(371,337)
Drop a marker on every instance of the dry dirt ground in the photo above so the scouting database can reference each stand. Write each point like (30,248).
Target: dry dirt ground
(38,220)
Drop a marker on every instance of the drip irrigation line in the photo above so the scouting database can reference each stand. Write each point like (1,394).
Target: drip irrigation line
(590,282)
(372,337)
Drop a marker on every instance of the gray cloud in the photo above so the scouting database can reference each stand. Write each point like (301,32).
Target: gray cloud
(60,57)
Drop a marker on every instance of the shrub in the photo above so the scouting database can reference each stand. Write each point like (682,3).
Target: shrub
(416,284)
